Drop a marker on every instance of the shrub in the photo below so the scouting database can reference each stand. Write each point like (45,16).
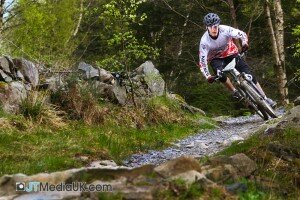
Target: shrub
(80,102)
(36,108)
(163,110)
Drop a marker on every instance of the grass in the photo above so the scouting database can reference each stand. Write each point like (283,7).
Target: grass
(289,137)
(43,149)
(47,138)
(253,192)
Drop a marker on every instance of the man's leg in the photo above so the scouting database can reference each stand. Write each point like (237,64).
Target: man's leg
(235,93)
(229,85)
(260,89)
(269,101)
(219,64)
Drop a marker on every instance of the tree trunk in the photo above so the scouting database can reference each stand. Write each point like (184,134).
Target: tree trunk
(1,14)
(79,20)
(182,34)
(273,38)
(235,25)
(232,13)
(278,48)
(280,42)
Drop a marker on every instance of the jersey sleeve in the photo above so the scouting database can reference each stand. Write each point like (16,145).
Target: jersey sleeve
(203,52)
(237,34)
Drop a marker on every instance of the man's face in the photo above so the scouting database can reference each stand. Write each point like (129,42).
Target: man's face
(213,30)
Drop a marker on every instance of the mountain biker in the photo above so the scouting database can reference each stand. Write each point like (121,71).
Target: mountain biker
(217,47)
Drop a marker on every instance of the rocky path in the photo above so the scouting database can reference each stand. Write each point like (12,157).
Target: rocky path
(203,143)
(127,181)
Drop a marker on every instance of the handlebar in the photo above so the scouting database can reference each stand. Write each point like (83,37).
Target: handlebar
(220,73)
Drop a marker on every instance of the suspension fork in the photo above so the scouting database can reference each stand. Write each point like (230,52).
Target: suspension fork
(249,100)
(253,85)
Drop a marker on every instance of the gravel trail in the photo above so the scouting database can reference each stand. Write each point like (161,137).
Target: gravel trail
(203,143)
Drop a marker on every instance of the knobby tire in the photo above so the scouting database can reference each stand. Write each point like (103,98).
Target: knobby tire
(250,101)
(262,105)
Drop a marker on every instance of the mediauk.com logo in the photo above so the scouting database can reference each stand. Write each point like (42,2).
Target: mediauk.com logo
(35,186)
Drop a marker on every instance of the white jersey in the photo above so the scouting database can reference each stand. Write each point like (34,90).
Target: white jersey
(221,47)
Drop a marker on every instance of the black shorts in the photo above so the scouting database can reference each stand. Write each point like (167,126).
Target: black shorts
(241,66)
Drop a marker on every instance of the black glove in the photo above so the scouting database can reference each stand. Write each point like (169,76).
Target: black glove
(211,79)
(245,47)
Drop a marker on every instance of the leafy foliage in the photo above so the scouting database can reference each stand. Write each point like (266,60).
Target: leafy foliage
(121,34)
(42,30)
(119,16)
(297,33)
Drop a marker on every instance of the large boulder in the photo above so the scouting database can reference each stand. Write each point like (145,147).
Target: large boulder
(89,70)
(222,168)
(293,115)
(244,165)
(291,118)
(95,73)
(178,166)
(120,94)
(297,101)
(28,70)
(221,173)
(7,66)
(114,93)
(153,79)
(115,176)
(5,77)
(11,95)
(105,76)
(191,176)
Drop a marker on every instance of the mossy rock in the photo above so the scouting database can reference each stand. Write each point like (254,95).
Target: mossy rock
(3,86)
(177,97)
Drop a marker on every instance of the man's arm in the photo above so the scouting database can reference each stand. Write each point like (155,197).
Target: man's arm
(238,34)
(203,51)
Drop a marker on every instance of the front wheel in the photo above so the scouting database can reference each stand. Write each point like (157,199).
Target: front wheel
(261,103)
(250,103)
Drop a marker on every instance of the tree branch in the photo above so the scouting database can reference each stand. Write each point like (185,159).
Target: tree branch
(79,19)
(170,7)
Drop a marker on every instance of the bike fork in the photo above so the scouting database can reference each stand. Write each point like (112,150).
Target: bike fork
(263,96)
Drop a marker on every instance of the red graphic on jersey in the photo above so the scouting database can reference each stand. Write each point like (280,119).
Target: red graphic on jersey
(230,50)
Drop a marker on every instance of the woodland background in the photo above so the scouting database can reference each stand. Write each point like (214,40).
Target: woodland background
(119,35)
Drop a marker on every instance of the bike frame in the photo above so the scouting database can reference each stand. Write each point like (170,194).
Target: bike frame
(239,77)
(244,81)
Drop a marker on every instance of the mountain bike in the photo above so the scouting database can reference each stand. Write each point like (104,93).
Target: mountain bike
(252,96)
